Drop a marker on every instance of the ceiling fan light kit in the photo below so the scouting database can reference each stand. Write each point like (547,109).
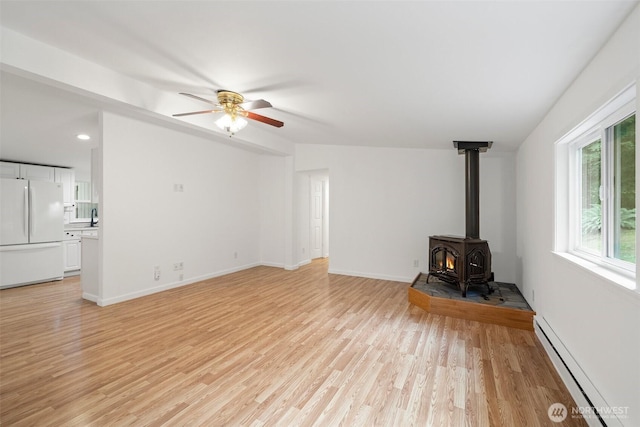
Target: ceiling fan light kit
(231,124)
(235,110)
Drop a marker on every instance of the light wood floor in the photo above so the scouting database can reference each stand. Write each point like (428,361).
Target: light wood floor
(264,347)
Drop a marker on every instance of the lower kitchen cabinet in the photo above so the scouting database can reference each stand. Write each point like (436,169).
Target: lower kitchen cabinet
(72,255)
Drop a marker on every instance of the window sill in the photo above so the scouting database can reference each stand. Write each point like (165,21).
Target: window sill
(623,282)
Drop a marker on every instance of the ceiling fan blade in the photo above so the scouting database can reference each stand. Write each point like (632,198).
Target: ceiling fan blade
(198,98)
(254,105)
(263,119)
(197,112)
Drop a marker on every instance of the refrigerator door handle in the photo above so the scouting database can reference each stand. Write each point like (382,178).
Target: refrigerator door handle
(26,210)
(32,222)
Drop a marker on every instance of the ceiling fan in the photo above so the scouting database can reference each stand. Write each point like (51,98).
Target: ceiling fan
(235,109)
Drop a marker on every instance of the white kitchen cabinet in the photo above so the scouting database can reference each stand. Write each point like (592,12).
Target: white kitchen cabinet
(37,172)
(25,171)
(72,250)
(67,177)
(72,245)
(9,170)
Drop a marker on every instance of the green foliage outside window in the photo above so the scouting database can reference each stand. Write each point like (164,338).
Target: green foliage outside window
(624,142)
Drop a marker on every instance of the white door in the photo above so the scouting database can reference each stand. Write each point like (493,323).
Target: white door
(14,211)
(46,221)
(317,211)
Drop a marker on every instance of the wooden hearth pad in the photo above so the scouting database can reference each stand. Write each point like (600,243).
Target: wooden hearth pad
(505,306)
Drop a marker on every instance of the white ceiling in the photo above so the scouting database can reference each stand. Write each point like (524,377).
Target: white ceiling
(384,73)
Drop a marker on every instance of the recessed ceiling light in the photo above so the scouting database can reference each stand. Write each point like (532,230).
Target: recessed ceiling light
(83,137)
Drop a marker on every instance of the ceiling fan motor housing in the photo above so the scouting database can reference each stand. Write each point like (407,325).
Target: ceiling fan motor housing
(230,101)
(227,97)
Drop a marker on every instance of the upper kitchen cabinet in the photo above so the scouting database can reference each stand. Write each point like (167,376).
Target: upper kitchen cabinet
(24,171)
(67,178)
(9,170)
(37,173)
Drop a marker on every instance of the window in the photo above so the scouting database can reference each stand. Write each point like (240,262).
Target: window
(606,188)
(598,160)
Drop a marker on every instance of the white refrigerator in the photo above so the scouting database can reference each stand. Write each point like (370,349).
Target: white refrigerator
(31,230)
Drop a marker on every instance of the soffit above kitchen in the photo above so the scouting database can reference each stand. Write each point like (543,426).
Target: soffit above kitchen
(40,124)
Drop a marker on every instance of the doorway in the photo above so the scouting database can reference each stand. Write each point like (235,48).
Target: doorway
(312,215)
(318,216)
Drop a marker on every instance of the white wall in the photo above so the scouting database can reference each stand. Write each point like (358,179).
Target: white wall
(598,321)
(146,223)
(272,210)
(385,203)
(303,215)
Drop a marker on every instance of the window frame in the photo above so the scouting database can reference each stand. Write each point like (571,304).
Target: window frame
(575,191)
(598,126)
(602,132)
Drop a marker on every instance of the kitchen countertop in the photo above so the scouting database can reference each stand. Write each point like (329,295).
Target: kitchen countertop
(70,227)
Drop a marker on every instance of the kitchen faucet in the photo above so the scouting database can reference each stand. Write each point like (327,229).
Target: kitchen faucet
(94,214)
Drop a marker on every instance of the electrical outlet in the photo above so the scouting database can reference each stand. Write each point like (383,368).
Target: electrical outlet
(177,266)
(533,295)
(156,272)
(178,188)
(235,255)
(416,263)
(180,277)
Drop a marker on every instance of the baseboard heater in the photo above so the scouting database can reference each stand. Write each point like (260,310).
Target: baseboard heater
(581,388)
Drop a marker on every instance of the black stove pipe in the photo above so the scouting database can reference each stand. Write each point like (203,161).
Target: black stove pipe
(471,150)
(472,193)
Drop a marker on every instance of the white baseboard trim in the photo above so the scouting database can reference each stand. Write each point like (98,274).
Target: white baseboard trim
(171,285)
(90,297)
(164,287)
(372,276)
(272,264)
(285,266)
(585,394)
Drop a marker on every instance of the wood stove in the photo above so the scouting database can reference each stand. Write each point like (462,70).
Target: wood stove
(460,261)
(464,261)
